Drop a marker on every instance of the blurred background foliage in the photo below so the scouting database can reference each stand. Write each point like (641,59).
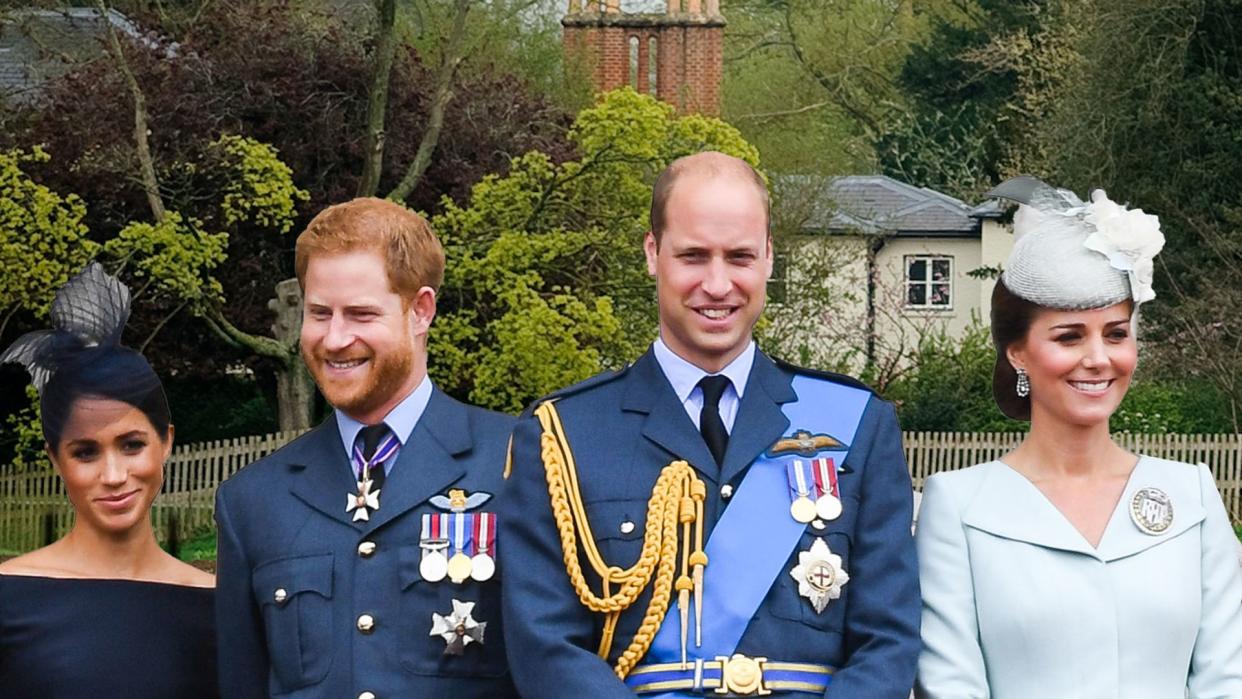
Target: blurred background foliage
(260,113)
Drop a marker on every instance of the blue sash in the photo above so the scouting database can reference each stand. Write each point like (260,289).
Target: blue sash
(752,541)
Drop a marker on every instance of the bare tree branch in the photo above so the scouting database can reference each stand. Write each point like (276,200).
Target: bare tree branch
(760,116)
(377,96)
(150,184)
(449,62)
(160,325)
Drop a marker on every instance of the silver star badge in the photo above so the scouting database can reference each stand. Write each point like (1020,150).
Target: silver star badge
(819,575)
(458,629)
(363,501)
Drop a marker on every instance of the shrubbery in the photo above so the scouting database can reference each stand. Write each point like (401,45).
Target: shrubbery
(948,388)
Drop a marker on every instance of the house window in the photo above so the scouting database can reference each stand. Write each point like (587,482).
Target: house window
(929,281)
(778,283)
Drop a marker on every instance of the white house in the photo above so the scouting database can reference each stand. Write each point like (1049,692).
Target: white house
(867,265)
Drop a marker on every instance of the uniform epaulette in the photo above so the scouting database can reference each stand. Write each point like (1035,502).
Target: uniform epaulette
(828,375)
(597,380)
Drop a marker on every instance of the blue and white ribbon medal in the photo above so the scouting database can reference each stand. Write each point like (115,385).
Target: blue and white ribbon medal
(462,534)
(802,508)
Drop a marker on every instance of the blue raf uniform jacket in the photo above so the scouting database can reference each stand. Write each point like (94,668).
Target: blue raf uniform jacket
(623,429)
(295,573)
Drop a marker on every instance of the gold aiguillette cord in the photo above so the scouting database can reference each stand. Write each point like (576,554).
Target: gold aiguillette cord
(677,497)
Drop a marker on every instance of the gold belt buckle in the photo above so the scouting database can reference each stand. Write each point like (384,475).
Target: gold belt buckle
(741,676)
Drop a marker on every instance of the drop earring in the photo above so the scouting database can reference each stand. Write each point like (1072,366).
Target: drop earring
(1023,388)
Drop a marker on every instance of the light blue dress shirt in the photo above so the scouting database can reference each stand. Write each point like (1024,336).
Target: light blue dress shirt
(685,378)
(401,420)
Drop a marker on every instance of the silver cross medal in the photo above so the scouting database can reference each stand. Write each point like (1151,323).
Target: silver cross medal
(458,629)
(362,502)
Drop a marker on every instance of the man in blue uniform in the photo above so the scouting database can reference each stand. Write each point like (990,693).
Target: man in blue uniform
(359,560)
(709,521)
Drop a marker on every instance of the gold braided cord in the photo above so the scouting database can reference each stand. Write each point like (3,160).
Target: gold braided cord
(669,506)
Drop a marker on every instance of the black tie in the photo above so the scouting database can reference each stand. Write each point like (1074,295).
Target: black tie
(371,436)
(710,424)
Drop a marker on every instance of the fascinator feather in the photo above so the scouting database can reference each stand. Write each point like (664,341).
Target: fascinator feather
(89,311)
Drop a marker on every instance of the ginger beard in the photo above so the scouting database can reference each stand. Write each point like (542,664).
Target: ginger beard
(366,387)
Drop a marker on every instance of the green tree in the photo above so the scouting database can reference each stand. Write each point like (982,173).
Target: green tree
(43,240)
(825,71)
(949,386)
(1153,114)
(976,89)
(546,283)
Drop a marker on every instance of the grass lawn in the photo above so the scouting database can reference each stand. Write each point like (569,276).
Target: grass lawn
(1237,529)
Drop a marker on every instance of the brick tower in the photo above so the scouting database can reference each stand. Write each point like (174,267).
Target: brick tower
(677,55)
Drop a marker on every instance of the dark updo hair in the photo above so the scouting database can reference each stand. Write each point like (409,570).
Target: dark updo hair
(1011,318)
(108,373)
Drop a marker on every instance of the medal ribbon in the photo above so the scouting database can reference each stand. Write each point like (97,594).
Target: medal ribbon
(826,477)
(484,533)
(754,538)
(798,482)
(383,452)
(431,532)
(463,532)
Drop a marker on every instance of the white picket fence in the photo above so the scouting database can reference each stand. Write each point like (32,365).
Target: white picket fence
(33,507)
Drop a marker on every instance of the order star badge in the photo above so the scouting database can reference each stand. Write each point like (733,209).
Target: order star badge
(362,502)
(458,629)
(819,575)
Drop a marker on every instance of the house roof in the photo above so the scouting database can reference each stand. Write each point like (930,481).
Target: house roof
(878,204)
(36,45)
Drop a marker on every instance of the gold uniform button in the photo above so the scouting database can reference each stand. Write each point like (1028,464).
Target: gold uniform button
(366,549)
(367,695)
(366,623)
(726,491)
(280,595)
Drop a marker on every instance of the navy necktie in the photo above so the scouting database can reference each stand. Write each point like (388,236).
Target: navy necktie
(711,426)
(371,436)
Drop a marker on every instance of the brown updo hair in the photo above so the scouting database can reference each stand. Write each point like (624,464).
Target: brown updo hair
(1011,318)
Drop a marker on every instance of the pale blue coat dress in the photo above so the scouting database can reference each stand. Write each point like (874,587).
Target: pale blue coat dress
(1017,604)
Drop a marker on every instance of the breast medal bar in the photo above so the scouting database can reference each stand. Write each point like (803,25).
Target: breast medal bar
(813,490)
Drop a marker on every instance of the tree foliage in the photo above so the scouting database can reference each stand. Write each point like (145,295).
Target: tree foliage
(256,118)
(43,239)
(546,283)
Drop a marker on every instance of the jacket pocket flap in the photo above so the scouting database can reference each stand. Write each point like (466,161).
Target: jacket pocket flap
(276,581)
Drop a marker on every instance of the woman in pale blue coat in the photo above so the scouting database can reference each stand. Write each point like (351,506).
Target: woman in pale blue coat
(1071,567)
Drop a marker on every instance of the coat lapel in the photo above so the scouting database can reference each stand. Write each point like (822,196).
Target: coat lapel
(427,463)
(760,421)
(1009,505)
(322,472)
(648,391)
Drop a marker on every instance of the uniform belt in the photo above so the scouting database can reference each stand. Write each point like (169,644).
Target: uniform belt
(738,676)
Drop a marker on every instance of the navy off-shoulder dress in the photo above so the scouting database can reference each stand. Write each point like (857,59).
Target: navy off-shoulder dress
(66,638)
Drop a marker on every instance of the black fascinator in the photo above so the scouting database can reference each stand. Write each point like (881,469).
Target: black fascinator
(81,355)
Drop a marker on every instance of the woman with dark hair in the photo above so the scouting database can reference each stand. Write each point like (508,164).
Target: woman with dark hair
(1072,567)
(102,612)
